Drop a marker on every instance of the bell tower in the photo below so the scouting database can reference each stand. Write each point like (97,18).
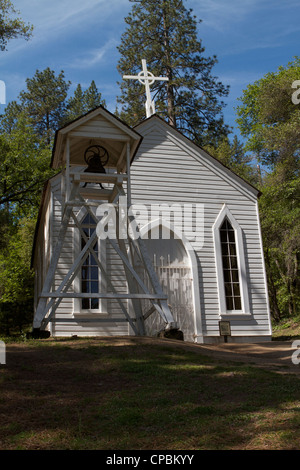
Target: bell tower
(94,154)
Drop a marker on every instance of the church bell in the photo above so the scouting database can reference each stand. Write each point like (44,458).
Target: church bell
(96,158)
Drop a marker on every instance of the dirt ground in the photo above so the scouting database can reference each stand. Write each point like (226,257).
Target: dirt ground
(42,386)
(273,355)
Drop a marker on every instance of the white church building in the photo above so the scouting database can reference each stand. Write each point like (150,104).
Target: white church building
(197,220)
(141,232)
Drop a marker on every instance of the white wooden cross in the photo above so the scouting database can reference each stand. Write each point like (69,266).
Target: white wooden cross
(146,78)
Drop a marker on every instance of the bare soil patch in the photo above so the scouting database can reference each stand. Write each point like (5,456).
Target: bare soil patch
(148,393)
(272,355)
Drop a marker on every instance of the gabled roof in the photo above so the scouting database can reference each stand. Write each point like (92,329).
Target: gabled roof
(198,152)
(98,126)
(135,138)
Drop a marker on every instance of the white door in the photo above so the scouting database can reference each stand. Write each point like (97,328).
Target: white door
(172,265)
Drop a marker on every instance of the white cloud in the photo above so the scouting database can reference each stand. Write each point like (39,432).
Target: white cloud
(94,56)
(60,17)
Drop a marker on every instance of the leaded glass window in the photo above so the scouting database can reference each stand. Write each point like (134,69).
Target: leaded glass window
(230,266)
(89,269)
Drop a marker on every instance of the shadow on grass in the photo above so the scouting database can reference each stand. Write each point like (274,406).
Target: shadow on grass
(89,394)
(291,337)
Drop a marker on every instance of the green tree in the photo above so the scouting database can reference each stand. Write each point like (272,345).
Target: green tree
(165,34)
(26,134)
(45,101)
(11,27)
(9,119)
(75,107)
(24,165)
(280,220)
(92,98)
(16,279)
(270,120)
(233,155)
(83,101)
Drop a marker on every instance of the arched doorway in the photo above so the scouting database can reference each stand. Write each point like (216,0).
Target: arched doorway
(172,264)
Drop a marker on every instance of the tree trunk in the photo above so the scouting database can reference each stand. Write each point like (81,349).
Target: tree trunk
(169,72)
(276,314)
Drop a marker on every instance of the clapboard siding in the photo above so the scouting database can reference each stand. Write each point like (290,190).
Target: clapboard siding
(99,126)
(166,173)
(65,311)
(43,245)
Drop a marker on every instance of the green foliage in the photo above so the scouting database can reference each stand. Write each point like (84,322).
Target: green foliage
(234,157)
(83,101)
(165,34)
(280,219)
(27,130)
(270,119)
(11,27)
(47,106)
(45,101)
(26,136)
(134,395)
(16,278)
(24,165)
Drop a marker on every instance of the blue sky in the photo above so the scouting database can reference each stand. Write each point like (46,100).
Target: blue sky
(249,37)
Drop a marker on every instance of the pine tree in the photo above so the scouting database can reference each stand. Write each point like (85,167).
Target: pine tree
(92,98)
(233,156)
(24,166)
(75,105)
(164,33)
(269,119)
(83,101)
(12,27)
(44,101)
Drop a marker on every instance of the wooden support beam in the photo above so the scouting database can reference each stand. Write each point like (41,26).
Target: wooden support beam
(87,177)
(162,307)
(115,193)
(90,320)
(63,291)
(40,311)
(128,175)
(72,272)
(100,295)
(103,271)
(98,135)
(121,158)
(77,203)
(43,307)
(128,265)
(158,298)
(67,173)
(96,193)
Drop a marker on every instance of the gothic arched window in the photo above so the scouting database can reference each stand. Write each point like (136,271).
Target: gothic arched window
(89,269)
(232,279)
(230,266)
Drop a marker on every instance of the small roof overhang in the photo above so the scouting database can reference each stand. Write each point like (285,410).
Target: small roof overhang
(97,127)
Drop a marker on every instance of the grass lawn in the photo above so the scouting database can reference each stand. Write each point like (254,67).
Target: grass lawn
(130,395)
